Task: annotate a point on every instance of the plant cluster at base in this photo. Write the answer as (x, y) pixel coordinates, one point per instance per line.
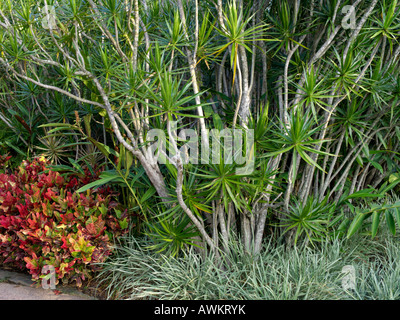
(43, 221)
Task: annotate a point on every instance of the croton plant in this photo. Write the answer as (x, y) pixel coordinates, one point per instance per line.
(43, 221)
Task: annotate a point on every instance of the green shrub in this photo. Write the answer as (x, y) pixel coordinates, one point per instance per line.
(137, 273)
(301, 273)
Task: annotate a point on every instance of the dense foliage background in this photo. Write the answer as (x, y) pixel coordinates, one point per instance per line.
(84, 81)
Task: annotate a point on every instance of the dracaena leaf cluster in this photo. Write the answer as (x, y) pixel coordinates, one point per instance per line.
(44, 221)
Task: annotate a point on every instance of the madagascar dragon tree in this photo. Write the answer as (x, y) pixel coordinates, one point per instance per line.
(314, 84)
